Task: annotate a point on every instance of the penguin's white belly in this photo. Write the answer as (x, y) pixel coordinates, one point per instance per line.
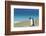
(31, 22)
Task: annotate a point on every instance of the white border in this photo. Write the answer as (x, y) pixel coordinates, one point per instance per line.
(26, 28)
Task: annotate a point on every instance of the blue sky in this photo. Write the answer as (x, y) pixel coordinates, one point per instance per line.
(22, 14)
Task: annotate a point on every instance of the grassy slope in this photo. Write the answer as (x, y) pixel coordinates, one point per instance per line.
(26, 23)
(22, 24)
(36, 22)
